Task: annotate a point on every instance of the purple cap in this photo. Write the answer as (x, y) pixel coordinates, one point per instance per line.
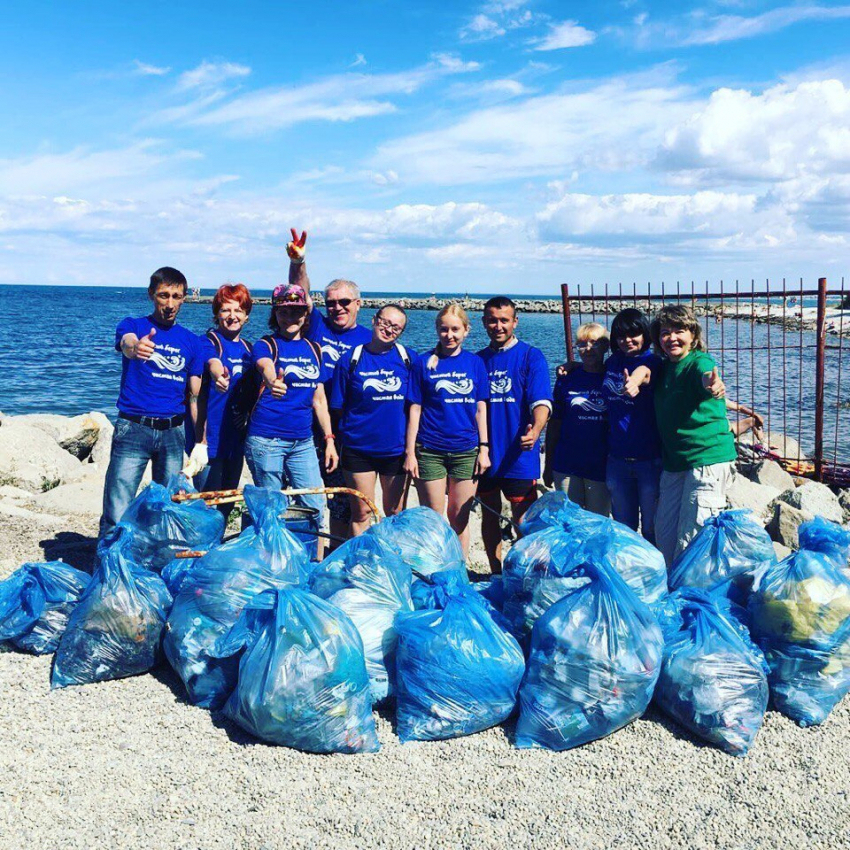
(289, 294)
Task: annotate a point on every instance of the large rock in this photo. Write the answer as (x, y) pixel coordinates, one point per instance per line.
(103, 447)
(815, 499)
(784, 526)
(75, 434)
(779, 443)
(749, 495)
(844, 501)
(769, 473)
(80, 498)
(31, 462)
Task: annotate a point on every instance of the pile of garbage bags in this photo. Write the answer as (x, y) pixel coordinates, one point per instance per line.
(36, 602)
(115, 629)
(302, 678)
(713, 678)
(829, 538)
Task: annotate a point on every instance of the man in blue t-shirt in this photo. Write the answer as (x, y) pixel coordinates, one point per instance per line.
(336, 333)
(160, 360)
(520, 406)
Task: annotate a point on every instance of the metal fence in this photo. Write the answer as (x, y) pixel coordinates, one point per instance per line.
(780, 349)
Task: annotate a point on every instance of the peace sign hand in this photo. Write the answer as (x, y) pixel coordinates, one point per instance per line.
(296, 249)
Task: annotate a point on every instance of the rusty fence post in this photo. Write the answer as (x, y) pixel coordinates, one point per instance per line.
(568, 321)
(820, 364)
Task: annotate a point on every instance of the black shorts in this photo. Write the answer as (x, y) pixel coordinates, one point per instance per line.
(515, 490)
(354, 461)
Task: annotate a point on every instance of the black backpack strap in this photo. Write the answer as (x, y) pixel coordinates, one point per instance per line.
(355, 358)
(402, 352)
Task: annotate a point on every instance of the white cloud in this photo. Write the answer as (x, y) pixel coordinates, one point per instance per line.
(146, 70)
(359, 61)
(211, 74)
(481, 28)
(495, 19)
(564, 35)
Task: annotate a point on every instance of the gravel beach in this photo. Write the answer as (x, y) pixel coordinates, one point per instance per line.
(130, 763)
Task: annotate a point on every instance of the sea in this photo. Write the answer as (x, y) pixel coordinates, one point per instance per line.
(57, 355)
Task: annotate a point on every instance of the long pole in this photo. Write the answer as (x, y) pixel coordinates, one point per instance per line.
(568, 323)
(820, 364)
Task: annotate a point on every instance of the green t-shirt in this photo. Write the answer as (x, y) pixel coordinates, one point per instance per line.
(693, 426)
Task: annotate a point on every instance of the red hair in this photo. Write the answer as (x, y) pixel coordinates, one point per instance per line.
(237, 292)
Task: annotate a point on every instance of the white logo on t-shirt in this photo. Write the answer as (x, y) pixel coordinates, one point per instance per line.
(175, 363)
(331, 352)
(391, 385)
(305, 373)
(587, 404)
(500, 386)
(463, 387)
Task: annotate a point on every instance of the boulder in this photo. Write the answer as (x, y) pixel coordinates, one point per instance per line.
(75, 434)
(769, 473)
(80, 498)
(103, 447)
(779, 443)
(844, 501)
(815, 499)
(29, 461)
(781, 551)
(749, 495)
(8, 493)
(784, 525)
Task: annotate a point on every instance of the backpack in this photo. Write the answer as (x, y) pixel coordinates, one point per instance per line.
(358, 351)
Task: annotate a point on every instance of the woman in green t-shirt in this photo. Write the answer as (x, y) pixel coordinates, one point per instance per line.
(697, 447)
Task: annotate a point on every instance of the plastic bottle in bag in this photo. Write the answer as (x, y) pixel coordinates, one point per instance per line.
(800, 617)
(713, 678)
(594, 661)
(217, 588)
(36, 602)
(457, 670)
(116, 627)
(302, 679)
(366, 578)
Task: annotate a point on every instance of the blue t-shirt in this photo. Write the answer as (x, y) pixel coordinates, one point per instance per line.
(372, 398)
(290, 417)
(582, 446)
(334, 343)
(157, 386)
(223, 440)
(519, 377)
(449, 395)
(631, 421)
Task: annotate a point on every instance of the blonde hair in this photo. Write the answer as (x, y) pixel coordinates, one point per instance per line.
(595, 330)
(457, 312)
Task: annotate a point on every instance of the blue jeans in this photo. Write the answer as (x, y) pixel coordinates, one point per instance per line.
(277, 463)
(133, 445)
(634, 488)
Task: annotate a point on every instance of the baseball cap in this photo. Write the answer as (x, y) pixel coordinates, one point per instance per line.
(289, 294)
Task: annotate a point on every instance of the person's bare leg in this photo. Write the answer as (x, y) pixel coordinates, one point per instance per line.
(361, 516)
(461, 494)
(432, 494)
(393, 487)
(491, 531)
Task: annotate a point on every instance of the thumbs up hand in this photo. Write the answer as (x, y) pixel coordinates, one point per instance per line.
(713, 383)
(631, 386)
(278, 388)
(528, 439)
(145, 346)
(222, 380)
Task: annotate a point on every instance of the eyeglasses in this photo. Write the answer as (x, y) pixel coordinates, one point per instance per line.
(389, 326)
(587, 344)
(338, 302)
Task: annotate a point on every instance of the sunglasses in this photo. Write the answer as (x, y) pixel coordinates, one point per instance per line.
(338, 302)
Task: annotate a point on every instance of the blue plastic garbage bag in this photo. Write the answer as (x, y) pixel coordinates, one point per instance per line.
(493, 590)
(594, 661)
(35, 603)
(713, 678)
(116, 628)
(366, 578)
(302, 677)
(217, 588)
(800, 617)
(830, 538)
(424, 539)
(725, 556)
(554, 509)
(176, 573)
(457, 670)
(162, 527)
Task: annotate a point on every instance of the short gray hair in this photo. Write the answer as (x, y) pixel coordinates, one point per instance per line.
(339, 283)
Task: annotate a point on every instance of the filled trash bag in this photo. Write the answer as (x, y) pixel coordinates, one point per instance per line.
(425, 541)
(302, 679)
(725, 556)
(35, 603)
(457, 670)
(555, 510)
(176, 573)
(162, 527)
(595, 658)
(800, 617)
(116, 627)
(713, 678)
(219, 585)
(366, 578)
(830, 538)
(493, 590)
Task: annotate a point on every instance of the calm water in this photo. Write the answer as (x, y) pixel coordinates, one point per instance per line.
(57, 356)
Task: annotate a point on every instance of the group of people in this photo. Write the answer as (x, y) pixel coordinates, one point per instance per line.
(322, 401)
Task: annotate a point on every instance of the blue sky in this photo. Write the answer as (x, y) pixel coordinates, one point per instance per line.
(481, 147)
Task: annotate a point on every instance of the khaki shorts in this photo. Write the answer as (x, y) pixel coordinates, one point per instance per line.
(585, 492)
(434, 465)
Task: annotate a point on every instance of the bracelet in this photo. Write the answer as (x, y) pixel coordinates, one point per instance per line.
(330, 437)
(485, 444)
